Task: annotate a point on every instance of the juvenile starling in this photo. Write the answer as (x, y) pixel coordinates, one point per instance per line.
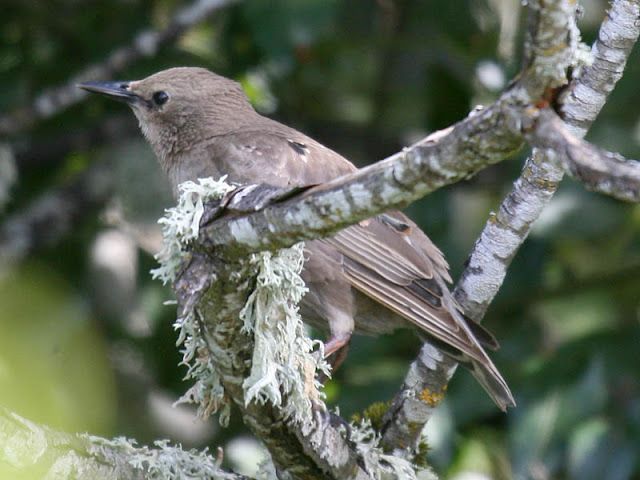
(201, 124)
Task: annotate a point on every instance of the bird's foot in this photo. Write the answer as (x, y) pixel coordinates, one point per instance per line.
(335, 351)
(336, 342)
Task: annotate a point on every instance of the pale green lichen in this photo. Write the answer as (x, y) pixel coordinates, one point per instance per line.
(381, 465)
(165, 461)
(207, 392)
(582, 57)
(283, 362)
(181, 224)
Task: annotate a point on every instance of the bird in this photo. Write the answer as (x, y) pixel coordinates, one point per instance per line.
(371, 278)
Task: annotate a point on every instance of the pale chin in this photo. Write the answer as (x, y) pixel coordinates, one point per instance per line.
(151, 136)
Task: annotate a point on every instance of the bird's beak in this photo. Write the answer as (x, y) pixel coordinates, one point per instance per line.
(115, 90)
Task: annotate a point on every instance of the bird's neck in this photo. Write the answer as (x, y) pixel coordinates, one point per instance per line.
(189, 166)
(193, 132)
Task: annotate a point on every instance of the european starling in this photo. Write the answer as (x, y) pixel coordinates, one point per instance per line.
(201, 124)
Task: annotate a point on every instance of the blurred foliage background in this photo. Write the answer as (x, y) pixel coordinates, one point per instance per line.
(86, 343)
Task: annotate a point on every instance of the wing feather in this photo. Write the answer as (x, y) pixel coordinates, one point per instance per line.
(384, 264)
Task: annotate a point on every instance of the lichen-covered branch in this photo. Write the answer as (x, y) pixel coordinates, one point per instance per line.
(30, 450)
(587, 93)
(311, 449)
(144, 45)
(596, 169)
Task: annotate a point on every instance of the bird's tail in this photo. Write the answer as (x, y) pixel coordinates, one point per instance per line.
(488, 376)
(482, 368)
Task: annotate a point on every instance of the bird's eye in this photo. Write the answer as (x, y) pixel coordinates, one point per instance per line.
(160, 98)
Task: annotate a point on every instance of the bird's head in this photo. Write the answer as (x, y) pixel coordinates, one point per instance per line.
(180, 108)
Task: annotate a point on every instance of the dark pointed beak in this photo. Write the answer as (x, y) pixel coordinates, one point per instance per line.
(115, 90)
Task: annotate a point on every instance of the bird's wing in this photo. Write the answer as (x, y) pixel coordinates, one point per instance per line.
(391, 260)
(280, 156)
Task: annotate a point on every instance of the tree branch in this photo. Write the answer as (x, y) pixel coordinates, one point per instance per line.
(244, 342)
(309, 451)
(580, 104)
(482, 139)
(582, 101)
(598, 170)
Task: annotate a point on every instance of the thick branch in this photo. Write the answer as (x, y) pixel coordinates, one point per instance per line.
(215, 291)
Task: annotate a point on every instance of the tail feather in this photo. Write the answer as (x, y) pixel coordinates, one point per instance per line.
(484, 336)
(483, 369)
(496, 387)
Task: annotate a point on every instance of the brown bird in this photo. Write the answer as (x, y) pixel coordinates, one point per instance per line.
(201, 124)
